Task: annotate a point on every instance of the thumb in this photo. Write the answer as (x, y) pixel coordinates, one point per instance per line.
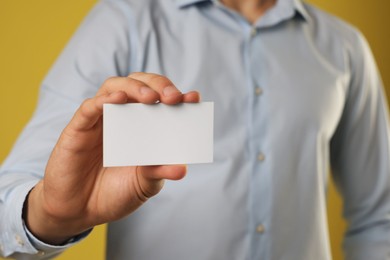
(151, 178)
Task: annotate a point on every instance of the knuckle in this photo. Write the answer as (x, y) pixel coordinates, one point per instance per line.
(109, 82)
(83, 111)
(85, 103)
(86, 108)
(135, 74)
(151, 78)
(160, 80)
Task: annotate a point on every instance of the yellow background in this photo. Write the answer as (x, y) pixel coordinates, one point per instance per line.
(32, 33)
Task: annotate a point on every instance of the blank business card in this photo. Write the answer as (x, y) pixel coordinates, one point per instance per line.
(158, 134)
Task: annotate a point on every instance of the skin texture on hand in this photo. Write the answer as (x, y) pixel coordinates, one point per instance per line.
(77, 192)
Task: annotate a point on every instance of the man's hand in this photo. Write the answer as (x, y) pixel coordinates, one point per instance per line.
(77, 192)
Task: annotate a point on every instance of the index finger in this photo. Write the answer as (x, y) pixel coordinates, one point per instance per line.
(167, 91)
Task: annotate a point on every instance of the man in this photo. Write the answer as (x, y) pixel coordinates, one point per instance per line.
(294, 88)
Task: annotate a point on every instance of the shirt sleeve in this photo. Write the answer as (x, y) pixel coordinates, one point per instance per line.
(360, 158)
(98, 50)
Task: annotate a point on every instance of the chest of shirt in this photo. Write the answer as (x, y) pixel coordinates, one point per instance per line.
(276, 76)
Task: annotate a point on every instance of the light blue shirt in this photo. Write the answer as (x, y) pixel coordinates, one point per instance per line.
(296, 95)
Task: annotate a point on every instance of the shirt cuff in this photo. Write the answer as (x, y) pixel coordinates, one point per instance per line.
(52, 250)
(15, 239)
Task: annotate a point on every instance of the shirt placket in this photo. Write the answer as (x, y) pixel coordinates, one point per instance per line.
(260, 180)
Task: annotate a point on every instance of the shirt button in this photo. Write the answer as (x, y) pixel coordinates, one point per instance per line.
(19, 240)
(253, 31)
(260, 157)
(258, 91)
(260, 229)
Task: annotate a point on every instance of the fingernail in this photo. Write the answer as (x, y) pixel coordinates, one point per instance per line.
(170, 91)
(145, 90)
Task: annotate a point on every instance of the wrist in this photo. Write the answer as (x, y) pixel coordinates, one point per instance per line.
(45, 226)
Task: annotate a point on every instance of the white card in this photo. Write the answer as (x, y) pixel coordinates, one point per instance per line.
(139, 134)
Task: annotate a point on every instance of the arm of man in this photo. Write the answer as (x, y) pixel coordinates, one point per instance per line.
(360, 154)
(99, 49)
(76, 192)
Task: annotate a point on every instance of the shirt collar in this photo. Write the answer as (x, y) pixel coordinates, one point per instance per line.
(294, 5)
(182, 3)
(301, 9)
